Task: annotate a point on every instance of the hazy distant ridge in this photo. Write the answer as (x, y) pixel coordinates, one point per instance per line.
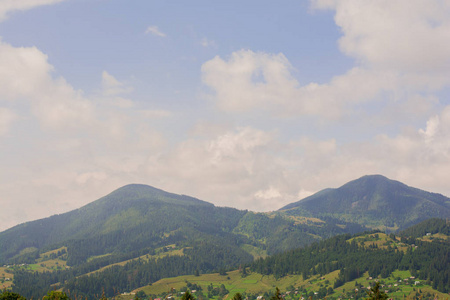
(374, 201)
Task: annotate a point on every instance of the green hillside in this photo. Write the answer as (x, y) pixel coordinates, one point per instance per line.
(134, 223)
(340, 267)
(293, 287)
(137, 218)
(131, 218)
(374, 201)
(377, 253)
(333, 267)
(139, 234)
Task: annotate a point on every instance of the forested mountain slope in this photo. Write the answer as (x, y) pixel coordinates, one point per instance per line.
(374, 201)
(130, 218)
(137, 218)
(376, 253)
(139, 234)
(328, 264)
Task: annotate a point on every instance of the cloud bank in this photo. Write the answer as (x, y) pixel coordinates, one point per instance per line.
(84, 145)
(8, 6)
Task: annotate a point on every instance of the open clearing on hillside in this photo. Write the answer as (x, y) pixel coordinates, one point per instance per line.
(145, 257)
(253, 283)
(6, 277)
(259, 284)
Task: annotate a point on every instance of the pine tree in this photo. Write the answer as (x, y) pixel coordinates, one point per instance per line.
(237, 296)
(187, 296)
(376, 294)
(277, 295)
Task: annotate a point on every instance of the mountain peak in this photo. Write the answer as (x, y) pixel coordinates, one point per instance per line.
(374, 176)
(137, 188)
(374, 179)
(373, 200)
(369, 183)
(137, 191)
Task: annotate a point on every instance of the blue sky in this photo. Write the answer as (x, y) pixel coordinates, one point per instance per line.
(249, 104)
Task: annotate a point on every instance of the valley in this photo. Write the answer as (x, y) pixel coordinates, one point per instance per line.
(139, 238)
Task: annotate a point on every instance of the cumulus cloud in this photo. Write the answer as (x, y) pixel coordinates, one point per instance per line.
(23, 71)
(154, 30)
(88, 145)
(419, 157)
(82, 146)
(260, 81)
(406, 35)
(409, 38)
(7, 6)
(228, 169)
(251, 168)
(249, 79)
(25, 74)
(401, 59)
(401, 49)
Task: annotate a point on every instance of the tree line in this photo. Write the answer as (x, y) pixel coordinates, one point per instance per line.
(428, 261)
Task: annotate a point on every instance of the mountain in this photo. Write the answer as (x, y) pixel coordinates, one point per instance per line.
(374, 201)
(130, 218)
(139, 234)
(137, 219)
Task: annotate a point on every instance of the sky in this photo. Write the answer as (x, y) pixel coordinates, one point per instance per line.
(246, 104)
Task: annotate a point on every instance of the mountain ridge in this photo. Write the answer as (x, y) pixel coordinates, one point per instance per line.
(139, 222)
(371, 198)
(125, 208)
(138, 216)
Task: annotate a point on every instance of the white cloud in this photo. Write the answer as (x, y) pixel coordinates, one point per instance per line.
(270, 193)
(209, 129)
(303, 194)
(431, 129)
(239, 168)
(248, 80)
(7, 6)
(69, 147)
(23, 71)
(420, 158)
(407, 38)
(84, 177)
(250, 168)
(154, 30)
(25, 74)
(401, 49)
(88, 145)
(405, 35)
(112, 92)
(261, 81)
(7, 117)
(113, 87)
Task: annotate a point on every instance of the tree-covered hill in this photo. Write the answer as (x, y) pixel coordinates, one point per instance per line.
(373, 201)
(137, 218)
(334, 262)
(130, 231)
(426, 228)
(129, 219)
(376, 253)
